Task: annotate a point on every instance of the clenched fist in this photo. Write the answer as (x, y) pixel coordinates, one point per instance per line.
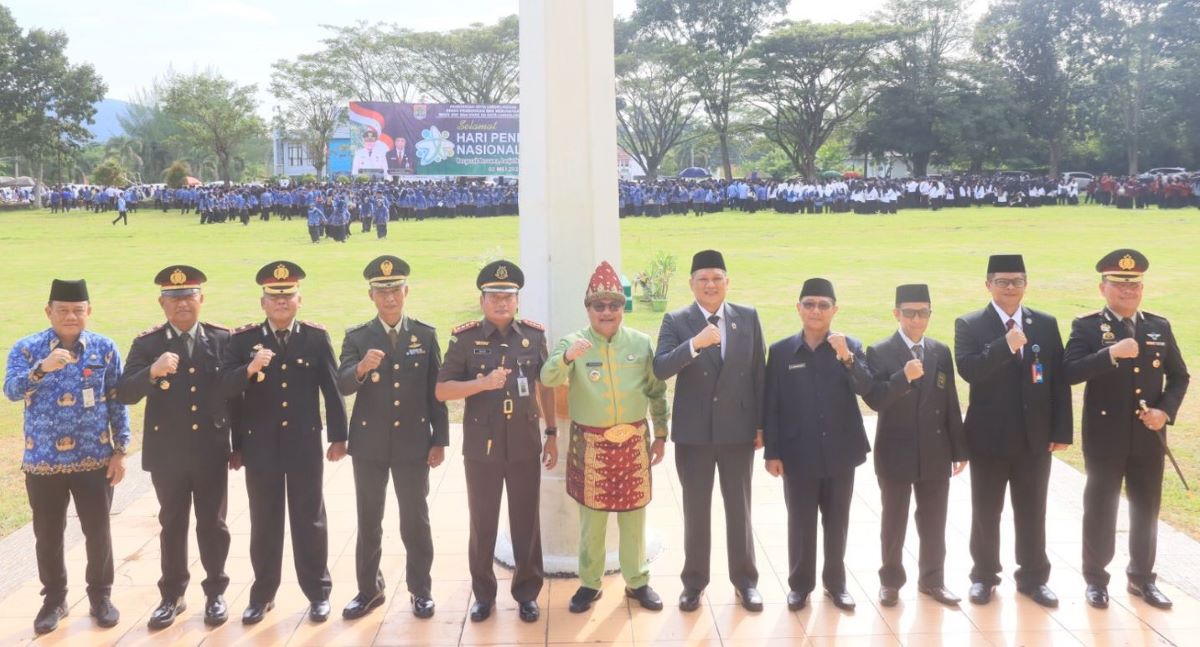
(914, 369)
(710, 336)
(1015, 338)
(495, 379)
(577, 349)
(260, 360)
(166, 364)
(838, 341)
(58, 358)
(370, 361)
(1125, 348)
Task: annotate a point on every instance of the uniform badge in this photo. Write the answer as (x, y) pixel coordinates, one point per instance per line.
(164, 384)
(1029, 320)
(261, 376)
(501, 273)
(1108, 336)
(594, 375)
(482, 342)
(178, 277)
(1104, 327)
(281, 272)
(386, 268)
(413, 340)
(941, 380)
(1156, 363)
(524, 343)
(374, 376)
(1154, 335)
(1127, 263)
(66, 400)
(630, 357)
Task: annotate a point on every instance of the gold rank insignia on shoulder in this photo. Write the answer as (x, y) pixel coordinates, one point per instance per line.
(524, 343)
(164, 385)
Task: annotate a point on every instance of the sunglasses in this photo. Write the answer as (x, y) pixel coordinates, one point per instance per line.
(1009, 283)
(611, 306)
(916, 313)
(816, 305)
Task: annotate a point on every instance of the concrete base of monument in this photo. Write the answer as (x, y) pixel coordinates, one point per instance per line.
(560, 530)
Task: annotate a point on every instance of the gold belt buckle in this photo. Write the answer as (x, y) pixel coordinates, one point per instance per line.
(508, 406)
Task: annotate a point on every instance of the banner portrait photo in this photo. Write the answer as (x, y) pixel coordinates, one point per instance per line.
(433, 139)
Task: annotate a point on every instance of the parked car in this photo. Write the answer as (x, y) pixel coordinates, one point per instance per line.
(1168, 172)
(1081, 178)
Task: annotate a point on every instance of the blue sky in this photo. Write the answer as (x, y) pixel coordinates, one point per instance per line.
(130, 42)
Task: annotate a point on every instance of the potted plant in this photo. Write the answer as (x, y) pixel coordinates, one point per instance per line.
(641, 282)
(662, 267)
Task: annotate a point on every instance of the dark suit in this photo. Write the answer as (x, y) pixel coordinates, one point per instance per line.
(185, 447)
(502, 449)
(718, 412)
(396, 421)
(1116, 445)
(919, 433)
(1011, 421)
(813, 424)
(279, 435)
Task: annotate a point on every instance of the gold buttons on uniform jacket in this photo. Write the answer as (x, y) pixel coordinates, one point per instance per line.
(396, 424)
(284, 404)
(364, 423)
(283, 385)
(192, 369)
(1137, 391)
(396, 385)
(1103, 413)
(194, 407)
(1137, 369)
(284, 423)
(395, 367)
(396, 403)
(283, 367)
(193, 389)
(155, 427)
(195, 427)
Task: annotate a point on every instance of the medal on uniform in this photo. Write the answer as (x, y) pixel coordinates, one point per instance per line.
(594, 375)
(374, 376)
(164, 384)
(1156, 363)
(1036, 368)
(524, 343)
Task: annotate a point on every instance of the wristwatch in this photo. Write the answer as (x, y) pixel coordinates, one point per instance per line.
(551, 431)
(37, 374)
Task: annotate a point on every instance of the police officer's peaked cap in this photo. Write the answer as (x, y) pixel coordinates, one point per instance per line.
(1123, 266)
(179, 280)
(280, 277)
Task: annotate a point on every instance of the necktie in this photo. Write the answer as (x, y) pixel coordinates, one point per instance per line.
(918, 352)
(713, 320)
(1130, 327)
(281, 335)
(394, 337)
(1012, 323)
(186, 338)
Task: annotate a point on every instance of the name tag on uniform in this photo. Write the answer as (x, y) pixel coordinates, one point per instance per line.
(89, 398)
(792, 367)
(414, 351)
(1037, 373)
(482, 351)
(941, 380)
(523, 387)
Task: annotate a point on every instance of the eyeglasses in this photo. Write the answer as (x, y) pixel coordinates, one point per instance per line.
(1010, 283)
(916, 313)
(1126, 287)
(370, 135)
(817, 305)
(611, 306)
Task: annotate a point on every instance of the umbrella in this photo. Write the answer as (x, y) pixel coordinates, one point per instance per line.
(191, 181)
(851, 174)
(831, 175)
(695, 171)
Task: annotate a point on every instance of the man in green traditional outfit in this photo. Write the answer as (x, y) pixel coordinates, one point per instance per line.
(610, 372)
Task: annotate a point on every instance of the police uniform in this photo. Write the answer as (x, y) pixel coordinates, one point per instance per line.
(73, 426)
(185, 445)
(278, 433)
(1117, 446)
(396, 420)
(501, 441)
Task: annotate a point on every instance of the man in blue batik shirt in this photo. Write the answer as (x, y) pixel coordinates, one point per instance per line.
(76, 436)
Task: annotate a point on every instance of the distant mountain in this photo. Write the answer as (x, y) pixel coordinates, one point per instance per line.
(107, 113)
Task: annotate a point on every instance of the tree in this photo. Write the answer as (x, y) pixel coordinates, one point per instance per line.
(110, 173)
(806, 80)
(45, 101)
(311, 105)
(214, 114)
(127, 151)
(477, 64)
(160, 136)
(920, 70)
(655, 105)
(1028, 39)
(176, 174)
(712, 38)
(369, 64)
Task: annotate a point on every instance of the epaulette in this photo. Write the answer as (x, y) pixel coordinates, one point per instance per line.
(422, 323)
(151, 331)
(462, 327)
(1089, 314)
(312, 324)
(217, 326)
(249, 326)
(533, 324)
(357, 327)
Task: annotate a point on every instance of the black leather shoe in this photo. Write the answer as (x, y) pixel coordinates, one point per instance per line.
(216, 612)
(481, 610)
(105, 613)
(941, 594)
(361, 605)
(164, 616)
(319, 611)
(1041, 594)
(645, 597)
(750, 598)
(256, 612)
(583, 599)
(422, 607)
(1150, 593)
(841, 599)
(888, 596)
(1097, 596)
(48, 616)
(689, 599)
(796, 600)
(529, 611)
(980, 593)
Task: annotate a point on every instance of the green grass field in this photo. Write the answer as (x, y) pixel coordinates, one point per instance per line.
(769, 255)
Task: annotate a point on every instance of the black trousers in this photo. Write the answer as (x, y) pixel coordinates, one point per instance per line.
(520, 480)
(208, 488)
(1143, 485)
(48, 498)
(411, 483)
(298, 491)
(696, 465)
(121, 215)
(932, 499)
(381, 230)
(1026, 477)
(314, 232)
(805, 497)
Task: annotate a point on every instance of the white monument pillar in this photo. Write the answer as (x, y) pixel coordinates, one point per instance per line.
(568, 209)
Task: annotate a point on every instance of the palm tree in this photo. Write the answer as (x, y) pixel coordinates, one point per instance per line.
(127, 150)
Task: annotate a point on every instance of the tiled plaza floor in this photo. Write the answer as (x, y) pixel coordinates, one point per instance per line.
(1011, 619)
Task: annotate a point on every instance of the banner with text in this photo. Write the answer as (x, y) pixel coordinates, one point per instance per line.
(434, 138)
